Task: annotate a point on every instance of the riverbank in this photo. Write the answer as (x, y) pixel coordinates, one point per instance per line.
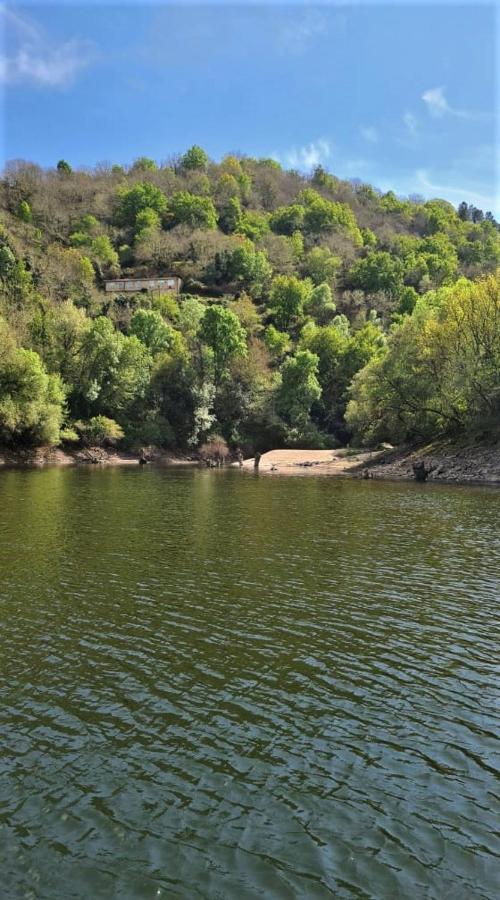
(452, 462)
(475, 463)
(461, 462)
(55, 456)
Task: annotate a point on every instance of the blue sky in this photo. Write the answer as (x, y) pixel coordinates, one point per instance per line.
(401, 95)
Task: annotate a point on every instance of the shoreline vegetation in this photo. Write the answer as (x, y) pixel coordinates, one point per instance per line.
(220, 309)
(444, 461)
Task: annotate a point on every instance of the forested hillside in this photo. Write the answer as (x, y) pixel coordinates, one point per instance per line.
(314, 311)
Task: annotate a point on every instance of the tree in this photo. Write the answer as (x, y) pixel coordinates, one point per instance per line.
(222, 332)
(152, 331)
(299, 387)
(189, 209)
(287, 219)
(102, 250)
(100, 431)
(440, 372)
(320, 304)
(321, 265)
(244, 267)
(64, 167)
(130, 201)
(277, 342)
(287, 298)
(144, 164)
(114, 370)
(377, 271)
(24, 211)
(31, 400)
(194, 158)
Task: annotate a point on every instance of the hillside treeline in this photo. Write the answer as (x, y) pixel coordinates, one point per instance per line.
(314, 311)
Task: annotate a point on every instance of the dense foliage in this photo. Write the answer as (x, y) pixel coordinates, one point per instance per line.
(313, 311)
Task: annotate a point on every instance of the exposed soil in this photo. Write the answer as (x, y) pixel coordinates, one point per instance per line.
(444, 461)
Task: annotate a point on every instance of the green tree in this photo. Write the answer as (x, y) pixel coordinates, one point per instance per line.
(153, 331)
(131, 201)
(321, 265)
(64, 167)
(194, 158)
(320, 304)
(144, 164)
(114, 370)
(287, 298)
(102, 250)
(24, 212)
(287, 219)
(221, 331)
(189, 209)
(299, 388)
(377, 271)
(31, 400)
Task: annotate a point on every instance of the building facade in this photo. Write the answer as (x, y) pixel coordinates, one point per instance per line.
(167, 284)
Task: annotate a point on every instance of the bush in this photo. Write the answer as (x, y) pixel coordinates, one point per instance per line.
(99, 432)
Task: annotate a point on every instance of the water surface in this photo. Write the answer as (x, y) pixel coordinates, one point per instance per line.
(217, 685)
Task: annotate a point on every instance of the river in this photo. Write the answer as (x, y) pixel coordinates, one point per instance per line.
(222, 685)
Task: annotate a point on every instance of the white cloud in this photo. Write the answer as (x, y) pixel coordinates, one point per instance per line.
(34, 59)
(438, 106)
(410, 123)
(307, 157)
(297, 36)
(369, 134)
(455, 194)
(436, 101)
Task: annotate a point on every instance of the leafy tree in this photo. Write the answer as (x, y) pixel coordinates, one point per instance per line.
(287, 298)
(152, 330)
(287, 219)
(320, 304)
(377, 271)
(253, 225)
(144, 164)
(130, 201)
(324, 216)
(244, 266)
(102, 250)
(440, 372)
(24, 211)
(194, 158)
(321, 265)
(299, 387)
(114, 369)
(189, 209)
(100, 431)
(277, 342)
(31, 400)
(222, 332)
(230, 215)
(64, 167)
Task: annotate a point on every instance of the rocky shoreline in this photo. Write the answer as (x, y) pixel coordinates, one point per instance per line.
(448, 462)
(460, 463)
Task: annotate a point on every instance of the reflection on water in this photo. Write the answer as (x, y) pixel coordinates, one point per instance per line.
(223, 686)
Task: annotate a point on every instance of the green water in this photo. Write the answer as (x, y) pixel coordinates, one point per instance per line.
(221, 685)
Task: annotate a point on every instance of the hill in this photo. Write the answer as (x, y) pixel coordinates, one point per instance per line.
(313, 311)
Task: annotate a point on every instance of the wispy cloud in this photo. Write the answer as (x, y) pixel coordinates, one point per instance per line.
(410, 123)
(369, 134)
(306, 157)
(297, 36)
(454, 193)
(438, 106)
(32, 58)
